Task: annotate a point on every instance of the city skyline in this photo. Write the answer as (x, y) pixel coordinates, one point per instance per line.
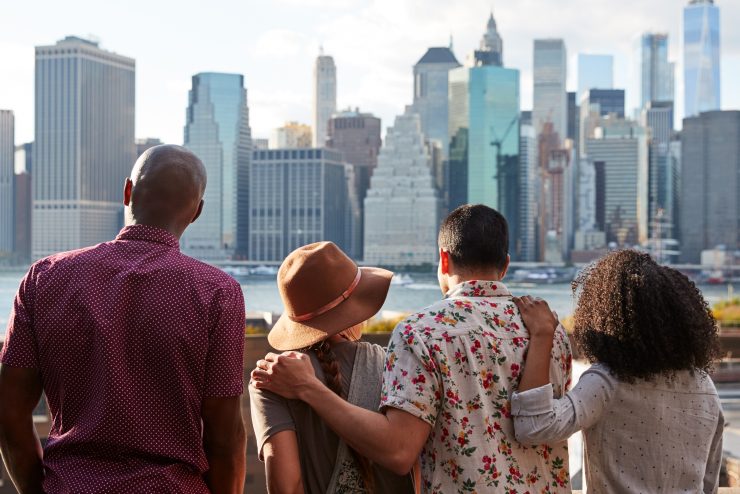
(373, 64)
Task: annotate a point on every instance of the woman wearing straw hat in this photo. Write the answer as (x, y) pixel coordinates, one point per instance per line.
(327, 299)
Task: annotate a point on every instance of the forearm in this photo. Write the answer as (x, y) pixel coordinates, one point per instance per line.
(541, 419)
(22, 454)
(369, 433)
(227, 467)
(537, 366)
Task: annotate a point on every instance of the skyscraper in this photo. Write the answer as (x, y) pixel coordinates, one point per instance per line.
(484, 108)
(619, 154)
(357, 136)
(528, 190)
(7, 171)
(658, 117)
(594, 72)
(701, 57)
(217, 131)
(296, 197)
(491, 49)
(84, 146)
(710, 178)
(484, 140)
(402, 207)
(550, 72)
(655, 72)
(146, 143)
(324, 96)
(610, 101)
(430, 93)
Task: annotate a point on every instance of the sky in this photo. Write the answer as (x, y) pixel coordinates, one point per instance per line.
(375, 44)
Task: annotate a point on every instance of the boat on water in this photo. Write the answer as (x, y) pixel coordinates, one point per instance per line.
(402, 279)
(264, 271)
(236, 271)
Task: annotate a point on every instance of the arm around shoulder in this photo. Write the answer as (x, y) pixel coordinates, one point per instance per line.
(540, 418)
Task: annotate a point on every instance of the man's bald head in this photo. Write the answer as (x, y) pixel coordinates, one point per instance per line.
(166, 188)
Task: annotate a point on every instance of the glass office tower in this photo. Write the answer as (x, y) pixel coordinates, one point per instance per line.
(217, 131)
(701, 57)
(655, 73)
(484, 108)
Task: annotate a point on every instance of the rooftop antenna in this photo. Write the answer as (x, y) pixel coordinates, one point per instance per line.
(321, 49)
(451, 42)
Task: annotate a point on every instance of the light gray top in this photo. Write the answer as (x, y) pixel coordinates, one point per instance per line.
(658, 436)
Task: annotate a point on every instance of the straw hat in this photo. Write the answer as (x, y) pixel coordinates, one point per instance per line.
(324, 293)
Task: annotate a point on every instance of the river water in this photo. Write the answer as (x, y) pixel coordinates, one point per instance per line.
(261, 294)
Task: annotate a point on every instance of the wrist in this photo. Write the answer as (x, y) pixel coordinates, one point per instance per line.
(541, 339)
(310, 389)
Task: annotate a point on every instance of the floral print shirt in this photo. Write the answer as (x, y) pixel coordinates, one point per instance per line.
(455, 365)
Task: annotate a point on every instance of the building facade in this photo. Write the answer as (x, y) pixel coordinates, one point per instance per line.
(84, 146)
(146, 143)
(658, 118)
(701, 60)
(431, 85)
(528, 193)
(594, 72)
(7, 173)
(491, 49)
(550, 74)
(291, 135)
(610, 101)
(357, 136)
(296, 197)
(402, 207)
(655, 72)
(324, 97)
(217, 131)
(619, 155)
(710, 183)
(484, 115)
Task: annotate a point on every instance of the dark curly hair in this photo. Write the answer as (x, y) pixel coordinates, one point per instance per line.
(642, 319)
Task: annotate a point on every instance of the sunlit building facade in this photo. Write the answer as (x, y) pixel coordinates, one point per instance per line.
(84, 146)
(324, 97)
(402, 207)
(7, 171)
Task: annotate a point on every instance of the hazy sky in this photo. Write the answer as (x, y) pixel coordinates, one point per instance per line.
(375, 43)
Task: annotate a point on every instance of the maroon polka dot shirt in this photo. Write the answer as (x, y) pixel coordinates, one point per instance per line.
(128, 337)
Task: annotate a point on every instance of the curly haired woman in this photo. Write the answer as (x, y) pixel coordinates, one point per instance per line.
(327, 299)
(650, 414)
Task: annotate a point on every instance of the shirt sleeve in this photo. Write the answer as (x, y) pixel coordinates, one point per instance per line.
(224, 365)
(714, 462)
(539, 418)
(20, 348)
(561, 363)
(411, 380)
(270, 415)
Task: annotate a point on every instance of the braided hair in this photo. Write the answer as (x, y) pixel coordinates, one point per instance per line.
(330, 366)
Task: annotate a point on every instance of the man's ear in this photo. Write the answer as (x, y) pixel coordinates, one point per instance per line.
(506, 266)
(197, 213)
(444, 261)
(128, 187)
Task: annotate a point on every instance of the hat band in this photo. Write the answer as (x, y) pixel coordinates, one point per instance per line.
(326, 308)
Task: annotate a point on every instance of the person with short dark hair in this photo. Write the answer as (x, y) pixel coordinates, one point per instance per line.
(138, 349)
(449, 374)
(649, 412)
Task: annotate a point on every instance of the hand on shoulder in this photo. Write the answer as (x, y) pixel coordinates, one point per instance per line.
(287, 374)
(538, 318)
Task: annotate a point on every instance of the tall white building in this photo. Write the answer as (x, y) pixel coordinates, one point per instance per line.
(701, 57)
(7, 166)
(84, 146)
(654, 71)
(324, 97)
(550, 99)
(218, 132)
(402, 207)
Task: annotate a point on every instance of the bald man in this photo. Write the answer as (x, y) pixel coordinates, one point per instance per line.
(138, 349)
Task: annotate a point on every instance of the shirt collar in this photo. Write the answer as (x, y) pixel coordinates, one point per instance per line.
(147, 233)
(478, 288)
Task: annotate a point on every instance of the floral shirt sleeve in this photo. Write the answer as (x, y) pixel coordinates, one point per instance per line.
(411, 379)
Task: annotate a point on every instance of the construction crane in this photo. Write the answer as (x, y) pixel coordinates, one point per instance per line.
(500, 172)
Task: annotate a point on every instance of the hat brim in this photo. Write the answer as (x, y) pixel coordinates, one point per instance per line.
(365, 301)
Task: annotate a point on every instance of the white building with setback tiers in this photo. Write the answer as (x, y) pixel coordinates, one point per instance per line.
(402, 207)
